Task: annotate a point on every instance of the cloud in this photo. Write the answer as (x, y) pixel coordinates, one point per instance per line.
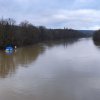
(77, 14)
(95, 27)
(85, 1)
(77, 19)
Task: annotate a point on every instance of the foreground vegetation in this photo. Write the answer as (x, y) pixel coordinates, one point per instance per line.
(25, 33)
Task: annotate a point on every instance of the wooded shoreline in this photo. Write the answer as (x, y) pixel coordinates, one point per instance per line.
(26, 34)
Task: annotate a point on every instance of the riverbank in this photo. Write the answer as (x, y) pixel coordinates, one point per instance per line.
(27, 34)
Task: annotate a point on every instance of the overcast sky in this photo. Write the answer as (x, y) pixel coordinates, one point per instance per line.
(77, 14)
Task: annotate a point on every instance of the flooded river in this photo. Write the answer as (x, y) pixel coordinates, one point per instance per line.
(60, 70)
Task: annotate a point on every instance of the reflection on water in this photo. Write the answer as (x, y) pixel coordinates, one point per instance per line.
(97, 44)
(64, 43)
(22, 56)
(60, 70)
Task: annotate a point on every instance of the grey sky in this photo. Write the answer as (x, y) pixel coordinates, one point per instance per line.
(77, 14)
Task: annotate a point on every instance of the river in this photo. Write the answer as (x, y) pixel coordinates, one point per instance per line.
(60, 70)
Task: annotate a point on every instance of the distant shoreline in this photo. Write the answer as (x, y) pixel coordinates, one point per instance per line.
(27, 34)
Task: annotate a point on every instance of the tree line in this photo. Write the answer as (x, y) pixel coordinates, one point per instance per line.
(96, 36)
(25, 33)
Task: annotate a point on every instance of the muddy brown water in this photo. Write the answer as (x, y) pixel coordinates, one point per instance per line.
(60, 70)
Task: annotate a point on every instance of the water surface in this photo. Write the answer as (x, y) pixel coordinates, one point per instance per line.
(60, 70)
